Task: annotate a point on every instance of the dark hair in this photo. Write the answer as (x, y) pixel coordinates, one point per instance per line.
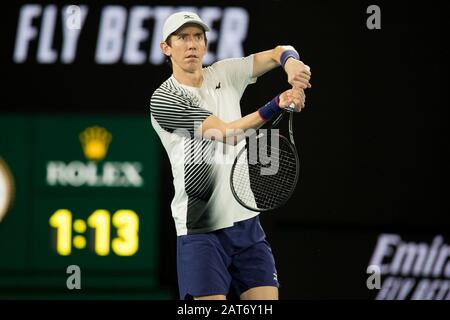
(168, 41)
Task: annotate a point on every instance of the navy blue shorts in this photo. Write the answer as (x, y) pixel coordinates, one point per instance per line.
(227, 261)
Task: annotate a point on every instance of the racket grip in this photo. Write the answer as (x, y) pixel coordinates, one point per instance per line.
(290, 108)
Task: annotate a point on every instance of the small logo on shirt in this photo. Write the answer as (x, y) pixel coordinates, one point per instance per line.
(275, 277)
(186, 16)
(218, 86)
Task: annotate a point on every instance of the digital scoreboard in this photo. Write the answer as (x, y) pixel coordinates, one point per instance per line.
(77, 190)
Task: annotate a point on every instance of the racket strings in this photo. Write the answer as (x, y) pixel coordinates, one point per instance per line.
(266, 192)
(265, 185)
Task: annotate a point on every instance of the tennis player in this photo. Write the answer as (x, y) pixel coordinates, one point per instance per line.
(222, 251)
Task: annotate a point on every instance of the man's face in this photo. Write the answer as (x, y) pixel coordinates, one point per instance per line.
(187, 47)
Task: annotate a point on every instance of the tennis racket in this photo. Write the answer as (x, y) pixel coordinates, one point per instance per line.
(262, 185)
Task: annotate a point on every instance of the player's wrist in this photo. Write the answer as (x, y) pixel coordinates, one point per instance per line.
(288, 54)
(271, 109)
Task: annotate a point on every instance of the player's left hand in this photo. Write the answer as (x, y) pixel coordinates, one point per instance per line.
(298, 73)
(294, 95)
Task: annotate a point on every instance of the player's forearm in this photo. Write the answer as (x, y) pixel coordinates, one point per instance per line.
(237, 130)
(268, 60)
(230, 132)
(250, 121)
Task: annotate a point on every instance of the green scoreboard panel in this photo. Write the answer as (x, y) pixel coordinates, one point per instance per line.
(78, 191)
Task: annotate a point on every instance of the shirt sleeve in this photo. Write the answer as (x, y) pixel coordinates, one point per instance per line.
(177, 112)
(238, 72)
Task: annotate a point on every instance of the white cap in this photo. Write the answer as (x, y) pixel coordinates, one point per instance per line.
(176, 20)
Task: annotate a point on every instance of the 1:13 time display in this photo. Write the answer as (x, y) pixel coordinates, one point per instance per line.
(125, 221)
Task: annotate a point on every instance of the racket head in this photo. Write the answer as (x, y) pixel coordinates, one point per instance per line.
(265, 192)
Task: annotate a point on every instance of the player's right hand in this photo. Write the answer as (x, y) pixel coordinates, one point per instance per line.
(299, 74)
(294, 95)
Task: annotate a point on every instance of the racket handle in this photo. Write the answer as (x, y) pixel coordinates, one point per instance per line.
(290, 108)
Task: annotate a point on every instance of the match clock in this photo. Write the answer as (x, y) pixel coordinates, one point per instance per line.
(87, 194)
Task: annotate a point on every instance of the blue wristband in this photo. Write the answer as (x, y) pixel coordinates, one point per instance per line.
(288, 54)
(271, 109)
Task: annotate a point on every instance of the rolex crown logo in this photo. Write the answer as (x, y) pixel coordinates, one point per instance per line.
(95, 141)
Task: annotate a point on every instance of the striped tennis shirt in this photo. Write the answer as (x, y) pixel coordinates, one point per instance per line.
(203, 200)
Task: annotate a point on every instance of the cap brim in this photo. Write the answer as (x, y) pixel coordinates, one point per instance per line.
(199, 23)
